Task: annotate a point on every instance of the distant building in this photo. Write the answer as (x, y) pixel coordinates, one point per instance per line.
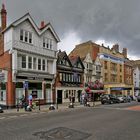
(27, 59)
(69, 79)
(136, 77)
(113, 65)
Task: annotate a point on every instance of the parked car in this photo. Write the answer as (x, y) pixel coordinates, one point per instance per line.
(109, 99)
(121, 98)
(138, 98)
(1, 110)
(128, 98)
(124, 98)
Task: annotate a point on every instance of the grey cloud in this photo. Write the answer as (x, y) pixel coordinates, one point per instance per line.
(113, 20)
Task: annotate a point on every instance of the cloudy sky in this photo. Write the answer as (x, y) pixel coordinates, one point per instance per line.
(76, 21)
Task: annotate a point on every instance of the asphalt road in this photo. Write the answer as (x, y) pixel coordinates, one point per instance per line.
(105, 122)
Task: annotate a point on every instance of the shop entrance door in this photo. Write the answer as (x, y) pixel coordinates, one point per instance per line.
(59, 96)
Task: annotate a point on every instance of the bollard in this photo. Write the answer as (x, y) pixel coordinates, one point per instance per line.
(17, 108)
(39, 104)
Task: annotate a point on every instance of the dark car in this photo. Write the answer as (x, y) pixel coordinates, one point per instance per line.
(1, 110)
(109, 99)
(138, 98)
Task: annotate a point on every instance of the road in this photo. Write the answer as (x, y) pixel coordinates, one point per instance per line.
(105, 122)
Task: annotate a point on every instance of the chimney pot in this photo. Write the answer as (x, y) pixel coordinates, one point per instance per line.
(3, 17)
(42, 24)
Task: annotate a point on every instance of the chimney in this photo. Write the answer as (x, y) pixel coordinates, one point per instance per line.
(42, 24)
(3, 17)
(124, 52)
(116, 47)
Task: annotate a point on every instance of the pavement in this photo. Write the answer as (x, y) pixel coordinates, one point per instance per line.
(45, 108)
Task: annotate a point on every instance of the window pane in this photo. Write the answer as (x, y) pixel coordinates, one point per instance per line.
(44, 44)
(30, 62)
(47, 43)
(34, 63)
(51, 43)
(30, 37)
(26, 36)
(23, 61)
(39, 64)
(21, 35)
(43, 64)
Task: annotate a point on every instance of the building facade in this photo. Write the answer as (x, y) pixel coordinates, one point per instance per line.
(28, 60)
(136, 78)
(114, 71)
(113, 66)
(69, 79)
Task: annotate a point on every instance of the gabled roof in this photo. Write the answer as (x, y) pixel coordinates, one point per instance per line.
(39, 31)
(75, 59)
(62, 55)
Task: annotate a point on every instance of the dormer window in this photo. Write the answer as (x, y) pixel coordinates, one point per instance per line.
(21, 35)
(30, 37)
(47, 43)
(26, 36)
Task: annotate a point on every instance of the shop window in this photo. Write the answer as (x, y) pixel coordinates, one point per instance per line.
(23, 61)
(19, 85)
(36, 89)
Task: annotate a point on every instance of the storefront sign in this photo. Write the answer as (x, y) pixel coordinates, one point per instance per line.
(121, 88)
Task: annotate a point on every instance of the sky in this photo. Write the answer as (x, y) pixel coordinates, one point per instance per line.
(77, 21)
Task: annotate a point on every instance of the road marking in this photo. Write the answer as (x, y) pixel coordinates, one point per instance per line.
(24, 115)
(12, 116)
(2, 118)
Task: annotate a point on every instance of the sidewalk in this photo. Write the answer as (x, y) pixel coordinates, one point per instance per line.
(45, 108)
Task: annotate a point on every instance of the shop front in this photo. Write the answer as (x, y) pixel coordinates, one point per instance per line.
(39, 87)
(122, 90)
(64, 94)
(94, 90)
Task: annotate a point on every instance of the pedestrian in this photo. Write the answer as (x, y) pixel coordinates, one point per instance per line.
(70, 98)
(30, 98)
(83, 98)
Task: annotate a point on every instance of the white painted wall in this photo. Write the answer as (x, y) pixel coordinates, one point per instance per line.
(8, 39)
(136, 79)
(37, 40)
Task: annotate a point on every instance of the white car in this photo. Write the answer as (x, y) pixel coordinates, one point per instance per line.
(121, 99)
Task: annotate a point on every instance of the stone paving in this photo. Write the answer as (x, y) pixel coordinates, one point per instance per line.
(44, 108)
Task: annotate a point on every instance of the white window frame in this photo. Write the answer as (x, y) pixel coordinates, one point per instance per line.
(28, 36)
